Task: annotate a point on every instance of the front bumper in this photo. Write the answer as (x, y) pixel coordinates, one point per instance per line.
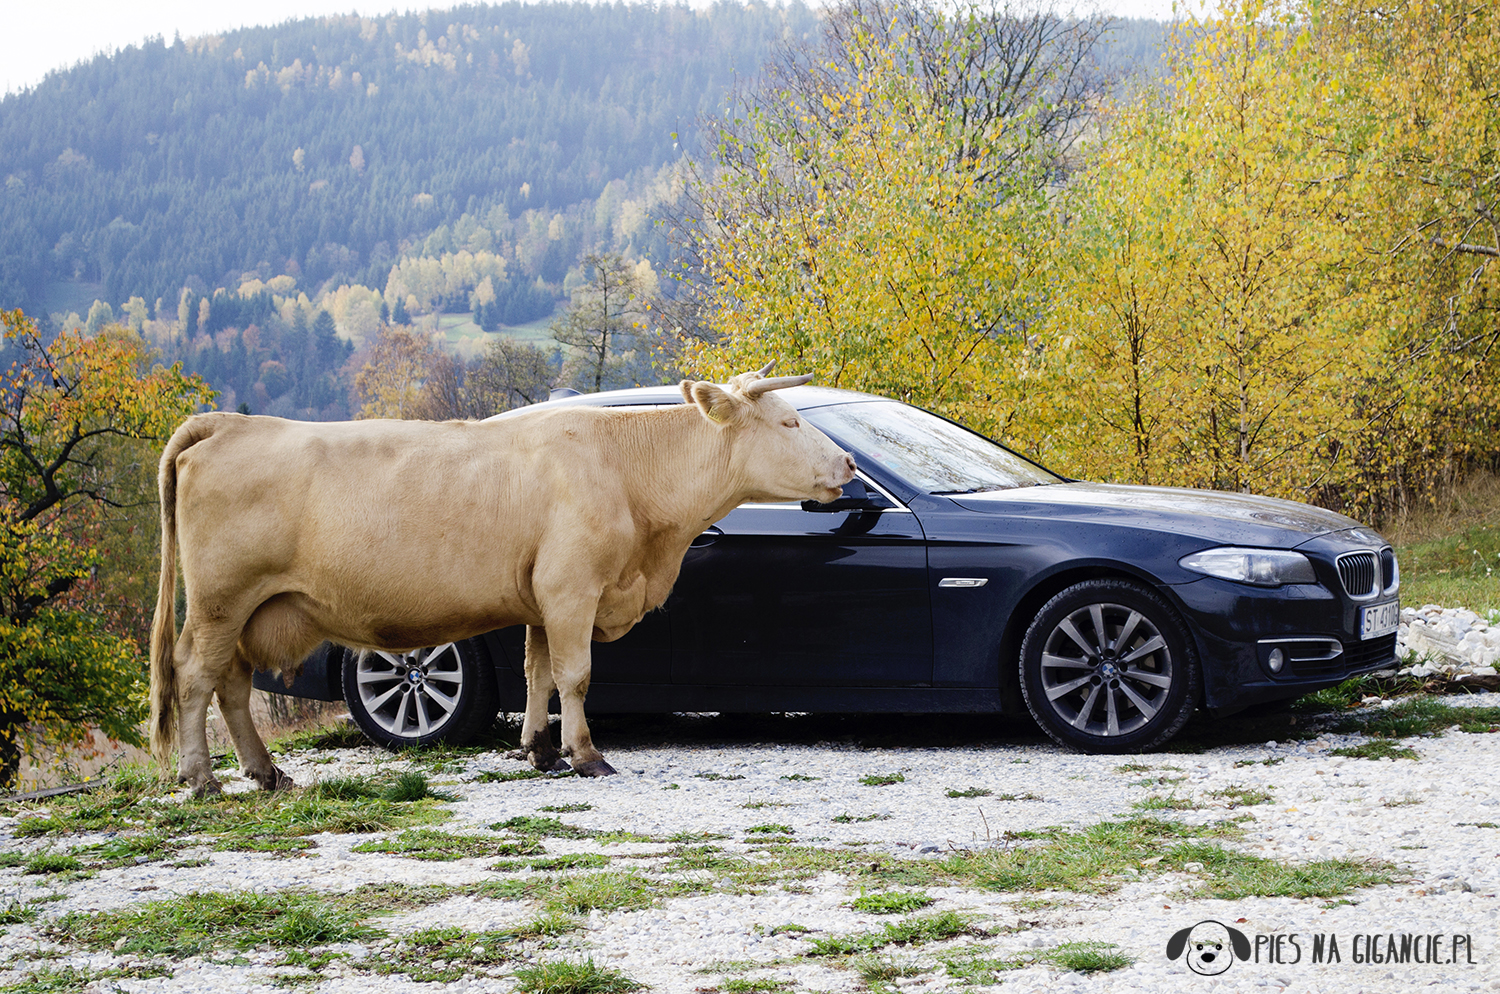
(1237, 626)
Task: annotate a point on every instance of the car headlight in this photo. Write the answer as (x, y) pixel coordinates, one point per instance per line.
(1260, 567)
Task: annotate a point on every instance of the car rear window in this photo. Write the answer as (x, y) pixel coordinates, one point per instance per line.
(933, 454)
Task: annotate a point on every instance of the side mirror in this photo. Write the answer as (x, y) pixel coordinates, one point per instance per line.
(856, 497)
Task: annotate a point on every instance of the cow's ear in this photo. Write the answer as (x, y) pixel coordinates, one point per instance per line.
(1177, 943)
(1240, 943)
(717, 404)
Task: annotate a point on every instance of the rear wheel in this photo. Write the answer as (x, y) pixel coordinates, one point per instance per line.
(1108, 667)
(444, 693)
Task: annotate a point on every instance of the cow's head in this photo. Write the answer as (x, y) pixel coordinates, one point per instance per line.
(780, 454)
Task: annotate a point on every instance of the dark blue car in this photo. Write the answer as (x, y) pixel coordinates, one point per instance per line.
(953, 576)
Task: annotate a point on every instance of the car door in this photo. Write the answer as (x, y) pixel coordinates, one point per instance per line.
(775, 595)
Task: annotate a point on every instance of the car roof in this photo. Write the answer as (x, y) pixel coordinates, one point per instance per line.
(802, 398)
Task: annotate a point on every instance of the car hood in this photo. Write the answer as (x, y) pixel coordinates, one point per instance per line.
(1215, 515)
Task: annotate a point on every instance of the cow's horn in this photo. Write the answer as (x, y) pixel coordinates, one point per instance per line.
(766, 368)
(776, 383)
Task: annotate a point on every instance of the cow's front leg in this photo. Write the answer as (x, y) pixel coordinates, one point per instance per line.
(536, 741)
(234, 704)
(572, 658)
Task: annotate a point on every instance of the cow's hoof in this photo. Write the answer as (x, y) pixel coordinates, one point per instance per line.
(275, 780)
(208, 788)
(594, 768)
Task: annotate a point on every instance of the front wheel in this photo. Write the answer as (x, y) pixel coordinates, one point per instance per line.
(444, 693)
(1107, 667)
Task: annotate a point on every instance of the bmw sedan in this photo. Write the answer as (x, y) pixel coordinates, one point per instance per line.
(953, 575)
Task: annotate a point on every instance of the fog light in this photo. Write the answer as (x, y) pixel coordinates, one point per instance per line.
(1276, 660)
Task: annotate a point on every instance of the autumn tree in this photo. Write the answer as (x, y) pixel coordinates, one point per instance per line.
(80, 417)
(391, 382)
(861, 231)
(601, 324)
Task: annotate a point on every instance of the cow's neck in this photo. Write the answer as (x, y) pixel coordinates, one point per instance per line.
(690, 477)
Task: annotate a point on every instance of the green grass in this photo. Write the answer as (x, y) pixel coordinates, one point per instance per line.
(339, 805)
(73, 980)
(1165, 803)
(972, 967)
(1376, 749)
(506, 776)
(717, 776)
(971, 792)
(342, 735)
(604, 892)
(1239, 796)
(198, 923)
(744, 985)
(847, 819)
(563, 977)
(51, 862)
(882, 779)
(1420, 715)
(891, 902)
(1456, 570)
(770, 828)
(444, 955)
(15, 913)
(907, 932)
(800, 778)
(436, 845)
(565, 808)
(1088, 957)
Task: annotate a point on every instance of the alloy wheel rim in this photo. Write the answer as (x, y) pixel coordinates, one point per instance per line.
(411, 694)
(1106, 670)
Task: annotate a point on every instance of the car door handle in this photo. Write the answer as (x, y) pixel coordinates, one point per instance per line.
(707, 538)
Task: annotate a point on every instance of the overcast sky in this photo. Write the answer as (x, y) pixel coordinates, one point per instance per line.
(37, 36)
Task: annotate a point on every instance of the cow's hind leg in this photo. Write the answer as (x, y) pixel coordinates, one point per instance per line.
(572, 659)
(198, 660)
(536, 741)
(234, 703)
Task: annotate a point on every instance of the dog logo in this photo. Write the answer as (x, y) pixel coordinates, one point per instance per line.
(1211, 947)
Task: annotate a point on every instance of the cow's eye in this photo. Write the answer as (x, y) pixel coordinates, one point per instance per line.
(792, 423)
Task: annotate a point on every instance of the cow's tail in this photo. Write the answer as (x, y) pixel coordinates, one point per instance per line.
(164, 625)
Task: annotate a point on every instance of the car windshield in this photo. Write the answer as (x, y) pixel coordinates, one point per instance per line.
(933, 454)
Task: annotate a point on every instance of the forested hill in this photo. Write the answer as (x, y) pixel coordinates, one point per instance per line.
(322, 148)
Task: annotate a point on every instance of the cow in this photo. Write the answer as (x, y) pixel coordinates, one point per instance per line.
(398, 534)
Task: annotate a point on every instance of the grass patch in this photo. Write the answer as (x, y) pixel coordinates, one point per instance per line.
(602, 891)
(847, 819)
(788, 928)
(1376, 749)
(908, 932)
(882, 779)
(744, 985)
(758, 805)
(770, 828)
(443, 955)
(571, 861)
(564, 809)
(538, 827)
(339, 805)
(1238, 796)
(879, 971)
(16, 913)
(717, 776)
(51, 862)
(433, 844)
(71, 980)
(1415, 716)
(1160, 802)
(563, 977)
(1272, 761)
(199, 923)
(506, 776)
(341, 735)
(971, 792)
(1452, 570)
(800, 778)
(1088, 957)
(891, 902)
(971, 966)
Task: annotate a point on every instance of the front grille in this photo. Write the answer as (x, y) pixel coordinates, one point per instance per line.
(1358, 571)
(1388, 572)
(1370, 652)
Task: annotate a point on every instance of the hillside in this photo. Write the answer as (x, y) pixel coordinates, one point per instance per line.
(322, 148)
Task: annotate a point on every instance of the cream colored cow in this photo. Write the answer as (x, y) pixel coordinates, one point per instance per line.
(399, 534)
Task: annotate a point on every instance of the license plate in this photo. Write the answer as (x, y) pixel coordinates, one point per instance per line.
(1379, 619)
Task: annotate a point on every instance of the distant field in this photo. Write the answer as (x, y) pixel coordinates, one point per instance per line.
(1450, 555)
(460, 332)
(63, 298)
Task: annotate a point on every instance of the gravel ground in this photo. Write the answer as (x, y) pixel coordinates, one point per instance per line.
(1436, 818)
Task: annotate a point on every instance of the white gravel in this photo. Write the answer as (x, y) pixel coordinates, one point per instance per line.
(1437, 818)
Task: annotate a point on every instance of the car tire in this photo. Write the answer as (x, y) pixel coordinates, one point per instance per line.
(1131, 689)
(444, 693)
